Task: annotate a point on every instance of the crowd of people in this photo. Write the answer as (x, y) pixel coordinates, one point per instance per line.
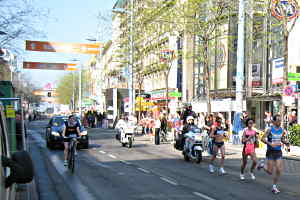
(94, 119)
(220, 129)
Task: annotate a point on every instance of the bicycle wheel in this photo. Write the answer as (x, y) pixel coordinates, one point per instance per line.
(73, 158)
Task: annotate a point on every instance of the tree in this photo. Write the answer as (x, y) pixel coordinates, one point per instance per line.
(18, 20)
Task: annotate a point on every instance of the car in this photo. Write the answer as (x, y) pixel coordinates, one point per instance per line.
(54, 131)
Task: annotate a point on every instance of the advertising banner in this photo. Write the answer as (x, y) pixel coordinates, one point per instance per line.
(277, 70)
(49, 66)
(62, 47)
(256, 78)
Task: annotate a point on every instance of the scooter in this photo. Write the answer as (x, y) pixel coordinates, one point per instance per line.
(127, 136)
(193, 147)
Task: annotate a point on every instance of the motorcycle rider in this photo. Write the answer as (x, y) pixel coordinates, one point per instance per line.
(121, 124)
(187, 127)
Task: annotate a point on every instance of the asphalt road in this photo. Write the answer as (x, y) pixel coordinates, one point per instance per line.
(107, 171)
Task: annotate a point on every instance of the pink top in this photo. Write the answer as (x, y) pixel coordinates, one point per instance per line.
(248, 133)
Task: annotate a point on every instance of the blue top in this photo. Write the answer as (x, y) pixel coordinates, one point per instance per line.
(275, 138)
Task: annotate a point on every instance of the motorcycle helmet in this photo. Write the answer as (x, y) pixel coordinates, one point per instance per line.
(189, 118)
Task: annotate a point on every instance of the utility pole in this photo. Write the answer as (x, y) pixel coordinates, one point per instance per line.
(240, 58)
(130, 70)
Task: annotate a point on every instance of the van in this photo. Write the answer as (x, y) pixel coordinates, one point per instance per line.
(5, 193)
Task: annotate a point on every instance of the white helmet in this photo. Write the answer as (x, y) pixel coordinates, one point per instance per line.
(189, 118)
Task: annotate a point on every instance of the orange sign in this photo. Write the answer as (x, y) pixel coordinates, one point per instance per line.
(49, 66)
(62, 47)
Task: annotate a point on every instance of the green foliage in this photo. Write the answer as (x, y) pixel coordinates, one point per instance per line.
(65, 88)
(294, 135)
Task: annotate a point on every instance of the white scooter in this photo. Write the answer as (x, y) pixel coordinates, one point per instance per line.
(127, 136)
(193, 146)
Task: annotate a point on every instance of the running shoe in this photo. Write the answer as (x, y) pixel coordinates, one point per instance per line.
(275, 189)
(252, 176)
(222, 171)
(65, 163)
(242, 177)
(211, 169)
(261, 164)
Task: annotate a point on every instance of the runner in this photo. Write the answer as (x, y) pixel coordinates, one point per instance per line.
(274, 137)
(249, 139)
(218, 135)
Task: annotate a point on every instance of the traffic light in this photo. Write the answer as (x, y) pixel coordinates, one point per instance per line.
(49, 94)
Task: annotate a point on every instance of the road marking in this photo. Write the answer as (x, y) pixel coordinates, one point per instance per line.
(103, 152)
(203, 196)
(168, 181)
(125, 162)
(112, 156)
(144, 170)
(102, 165)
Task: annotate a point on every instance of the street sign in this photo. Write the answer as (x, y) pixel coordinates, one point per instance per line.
(284, 8)
(175, 94)
(62, 47)
(293, 76)
(49, 66)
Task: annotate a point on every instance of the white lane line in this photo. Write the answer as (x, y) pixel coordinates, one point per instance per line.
(103, 152)
(144, 170)
(102, 165)
(112, 156)
(168, 181)
(203, 196)
(125, 162)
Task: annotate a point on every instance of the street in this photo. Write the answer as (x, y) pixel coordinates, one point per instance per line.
(107, 171)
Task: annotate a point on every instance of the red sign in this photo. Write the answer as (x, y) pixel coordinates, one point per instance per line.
(285, 8)
(48, 66)
(62, 47)
(288, 90)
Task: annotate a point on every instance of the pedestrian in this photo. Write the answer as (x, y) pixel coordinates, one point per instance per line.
(268, 119)
(218, 134)
(250, 141)
(157, 127)
(274, 137)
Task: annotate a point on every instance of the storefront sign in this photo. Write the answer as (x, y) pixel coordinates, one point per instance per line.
(175, 94)
(293, 76)
(277, 70)
(256, 79)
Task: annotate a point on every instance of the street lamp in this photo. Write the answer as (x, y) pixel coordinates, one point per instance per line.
(79, 88)
(130, 67)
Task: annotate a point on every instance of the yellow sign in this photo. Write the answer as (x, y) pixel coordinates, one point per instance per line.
(10, 111)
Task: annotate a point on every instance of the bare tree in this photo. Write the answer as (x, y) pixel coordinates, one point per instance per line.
(18, 20)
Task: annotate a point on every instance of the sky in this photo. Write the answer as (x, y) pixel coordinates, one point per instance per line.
(68, 21)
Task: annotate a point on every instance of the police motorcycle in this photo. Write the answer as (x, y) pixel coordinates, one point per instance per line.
(125, 132)
(194, 145)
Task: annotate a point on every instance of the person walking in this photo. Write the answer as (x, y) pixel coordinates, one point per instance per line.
(274, 137)
(218, 134)
(249, 139)
(157, 127)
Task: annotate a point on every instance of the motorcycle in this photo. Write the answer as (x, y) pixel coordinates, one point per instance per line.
(194, 145)
(127, 136)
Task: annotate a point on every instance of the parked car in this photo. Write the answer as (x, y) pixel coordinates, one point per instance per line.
(54, 131)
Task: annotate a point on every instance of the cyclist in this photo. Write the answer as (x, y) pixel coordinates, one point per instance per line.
(249, 139)
(71, 129)
(274, 137)
(121, 124)
(218, 134)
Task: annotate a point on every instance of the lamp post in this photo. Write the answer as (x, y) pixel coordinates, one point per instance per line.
(130, 66)
(79, 85)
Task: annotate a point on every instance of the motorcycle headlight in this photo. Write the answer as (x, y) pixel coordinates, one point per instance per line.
(84, 133)
(55, 133)
(198, 137)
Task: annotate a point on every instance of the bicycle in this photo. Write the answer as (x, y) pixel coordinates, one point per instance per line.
(71, 152)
